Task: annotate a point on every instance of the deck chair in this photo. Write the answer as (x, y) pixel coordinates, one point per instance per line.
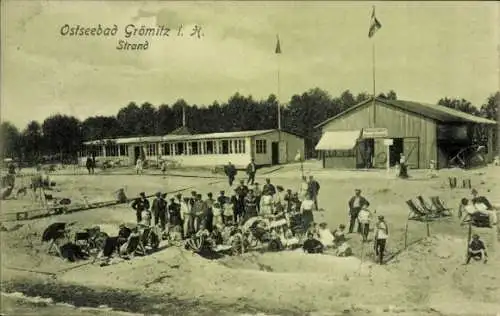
(53, 233)
(416, 211)
(429, 208)
(440, 207)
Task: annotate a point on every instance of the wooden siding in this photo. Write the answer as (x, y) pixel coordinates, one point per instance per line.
(400, 124)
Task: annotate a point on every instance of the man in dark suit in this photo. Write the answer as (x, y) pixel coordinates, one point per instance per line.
(230, 171)
(313, 190)
(355, 205)
(140, 204)
(251, 170)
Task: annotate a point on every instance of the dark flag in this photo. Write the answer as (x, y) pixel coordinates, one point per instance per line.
(374, 25)
(278, 46)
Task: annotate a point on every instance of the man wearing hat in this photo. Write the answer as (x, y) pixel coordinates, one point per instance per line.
(175, 219)
(269, 188)
(139, 205)
(381, 236)
(355, 205)
(158, 206)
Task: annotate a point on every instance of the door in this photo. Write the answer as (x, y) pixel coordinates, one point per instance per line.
(275, 153)
(379, 154)
(137, 153)
(411, 151)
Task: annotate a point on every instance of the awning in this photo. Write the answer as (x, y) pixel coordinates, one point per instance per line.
(338, 140)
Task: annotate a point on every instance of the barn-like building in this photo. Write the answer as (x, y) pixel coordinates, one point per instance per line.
(425, 134)
(266, 147)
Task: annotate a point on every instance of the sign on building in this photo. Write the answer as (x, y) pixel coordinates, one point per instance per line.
(375, 132)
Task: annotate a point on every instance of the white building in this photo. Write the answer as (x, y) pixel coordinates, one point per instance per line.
(267, 147)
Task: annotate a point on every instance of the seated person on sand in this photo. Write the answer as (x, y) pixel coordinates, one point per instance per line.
(344, 250)
(339, 235)
(325, 236)
(289, 240)
(476, 250)
(312, 245)
(468, 209)
(480, 199)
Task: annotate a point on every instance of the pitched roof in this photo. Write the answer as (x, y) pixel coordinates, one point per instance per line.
(436, 112)
(124, 140)
(182, 137)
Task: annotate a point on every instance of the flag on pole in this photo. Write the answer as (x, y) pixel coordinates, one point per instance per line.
(278, 46)
(374, 25)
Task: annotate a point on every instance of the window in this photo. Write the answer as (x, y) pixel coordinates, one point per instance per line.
(209, 147)
(260, 146)
(123, 150)
(165, 149)
(111, 151)
(195, 150)
(239, 146)
(179, 149)
(96, 150)
(224, 147)
(151, 150)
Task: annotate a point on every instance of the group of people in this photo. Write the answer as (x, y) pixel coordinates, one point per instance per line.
(187, 215)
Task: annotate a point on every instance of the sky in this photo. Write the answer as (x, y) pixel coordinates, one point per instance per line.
(424, 51)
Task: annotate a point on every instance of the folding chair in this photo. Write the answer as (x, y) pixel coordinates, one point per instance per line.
(416, 212)
(440, 207)
(429, 208)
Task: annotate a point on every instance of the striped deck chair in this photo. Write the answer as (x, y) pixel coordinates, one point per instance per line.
(416, 211)
(441, 208)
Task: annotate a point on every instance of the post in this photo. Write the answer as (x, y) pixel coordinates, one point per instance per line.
(427, 226)
(406, 234)
(388, 155)
(469, 236)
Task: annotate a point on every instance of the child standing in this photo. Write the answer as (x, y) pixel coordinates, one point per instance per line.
(364, 218)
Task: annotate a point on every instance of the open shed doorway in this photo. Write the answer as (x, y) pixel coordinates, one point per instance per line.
(395, 151)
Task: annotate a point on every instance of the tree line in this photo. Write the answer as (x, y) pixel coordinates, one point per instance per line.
(62, 135)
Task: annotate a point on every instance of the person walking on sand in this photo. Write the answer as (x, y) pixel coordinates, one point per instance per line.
(251, 171)
(138, 166)
(381, 236)
(355, 205)
(230, 171)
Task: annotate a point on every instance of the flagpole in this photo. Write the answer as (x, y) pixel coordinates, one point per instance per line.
(373, 83)
(279, 107)
(373, 71)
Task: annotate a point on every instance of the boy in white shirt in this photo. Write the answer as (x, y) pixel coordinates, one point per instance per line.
(325, 236)
(364, 218)
(381, 236)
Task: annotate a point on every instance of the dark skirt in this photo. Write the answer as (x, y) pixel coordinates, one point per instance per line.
(307, 219)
